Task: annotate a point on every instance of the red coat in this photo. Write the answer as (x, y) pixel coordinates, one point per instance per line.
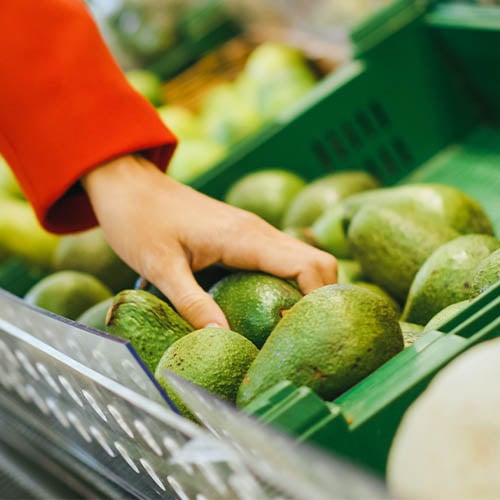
(65, 107)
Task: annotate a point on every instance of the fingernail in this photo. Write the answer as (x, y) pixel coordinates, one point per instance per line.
(213, 325)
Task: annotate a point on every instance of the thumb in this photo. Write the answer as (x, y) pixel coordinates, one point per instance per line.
(192, 302)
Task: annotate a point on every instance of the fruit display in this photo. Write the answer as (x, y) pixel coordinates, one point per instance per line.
(273, 79)
(391, 168)
(412, 257)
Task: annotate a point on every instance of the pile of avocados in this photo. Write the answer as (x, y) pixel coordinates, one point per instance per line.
(409, 257)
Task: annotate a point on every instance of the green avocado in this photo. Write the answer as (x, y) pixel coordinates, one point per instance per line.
(323, 193)
(348, 271)
(254, 302)
(446, 276)
(95, 316)
(487, 273)
(267, 193)
(440, 202)
(216, 359)
(89, 252)
(381, 292)
(441, 317)
(391, 245)
(329, 232)
(329, 340)
(147, 321)
(67, 293)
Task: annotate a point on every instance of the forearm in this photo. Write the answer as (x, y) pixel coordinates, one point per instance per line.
(65, 107)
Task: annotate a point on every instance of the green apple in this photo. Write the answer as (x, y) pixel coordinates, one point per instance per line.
(22, 236)
(271, 57)
(8, 183)
(226, 118)
(274, 78)
(146, 83)
(181, 121)
(194, 157)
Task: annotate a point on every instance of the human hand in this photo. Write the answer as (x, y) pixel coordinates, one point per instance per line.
(165, 231)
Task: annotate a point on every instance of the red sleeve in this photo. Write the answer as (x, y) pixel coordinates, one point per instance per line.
(65, 107)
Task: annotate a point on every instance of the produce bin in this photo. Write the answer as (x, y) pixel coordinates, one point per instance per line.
(418, 103)
(362, 422)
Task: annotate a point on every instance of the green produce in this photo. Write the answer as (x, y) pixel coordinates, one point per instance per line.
(300, 233)
(22, 236)
(381, 292)
(329, 232)
(67, 293)
(89, 252)
(348, 271)
(225, 118)
(271, 58)
(215, 359)
(446, 276)
(9, 186)
(147, 84)
(274, 78)
(329, 340)
(181, 121)
(267, 193)
(445, 314)
(435, 201)
(193, 157)
(439, 202)
(254, 303)
(323, 193)
(391, 246)
(411, 332)
(487, 273)
(148, 322)
(95, 316)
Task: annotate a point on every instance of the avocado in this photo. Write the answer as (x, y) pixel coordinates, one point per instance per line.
(22, 236)
(267, 193)
(329, 232)
(67, 293)
(441, 317)
(446, 276)
(148, 322)
(411, 332)
(89, 252)
(440, 202)
(391, 245)
(95, 316)
(329, 340)
(216, 359)
(381, 292)
(323, 193)
(348, 271)
(254, 302)
(487, 273)
(300, 233)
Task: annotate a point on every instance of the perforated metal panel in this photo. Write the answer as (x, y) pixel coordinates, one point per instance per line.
(87, 393)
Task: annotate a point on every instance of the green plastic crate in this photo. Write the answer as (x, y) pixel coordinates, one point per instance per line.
(419, 103)
(406, 109)
(362, 422)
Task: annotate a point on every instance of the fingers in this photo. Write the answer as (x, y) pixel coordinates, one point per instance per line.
(260, 246)
(191, 301)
